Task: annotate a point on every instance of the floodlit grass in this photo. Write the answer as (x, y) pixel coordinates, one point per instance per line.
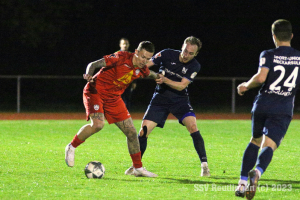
(32, 162)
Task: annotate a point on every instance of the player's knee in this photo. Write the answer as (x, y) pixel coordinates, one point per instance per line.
(269, 143)
(256, 141)
(131, 135)
(192, 128)
(97, 126)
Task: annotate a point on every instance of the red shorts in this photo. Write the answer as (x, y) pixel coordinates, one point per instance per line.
(114, 109)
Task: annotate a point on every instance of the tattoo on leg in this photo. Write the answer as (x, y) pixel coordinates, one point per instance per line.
(98, 116)
(129, 130)
(125, 125)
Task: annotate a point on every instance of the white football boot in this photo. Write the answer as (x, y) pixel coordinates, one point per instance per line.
(143, 172)
(69, 155)
(129, 171)
(204, 169)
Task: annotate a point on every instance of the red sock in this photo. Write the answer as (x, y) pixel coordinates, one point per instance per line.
(76, 141)
(137, 160)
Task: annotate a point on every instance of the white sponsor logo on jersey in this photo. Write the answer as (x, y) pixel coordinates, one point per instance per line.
(137, 71)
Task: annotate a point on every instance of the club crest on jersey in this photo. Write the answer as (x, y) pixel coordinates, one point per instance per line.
(96, 107)
(113, 55)
(137, 72)
(184, 70)
(194, 75)
(157, 55)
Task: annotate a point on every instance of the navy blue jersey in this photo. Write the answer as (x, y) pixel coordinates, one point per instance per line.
(277, 94)
(173, 69)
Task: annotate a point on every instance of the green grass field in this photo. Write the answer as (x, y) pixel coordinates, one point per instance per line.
(32, 162)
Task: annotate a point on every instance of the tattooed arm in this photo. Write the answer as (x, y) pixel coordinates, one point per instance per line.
(91, 68)
(153, 75)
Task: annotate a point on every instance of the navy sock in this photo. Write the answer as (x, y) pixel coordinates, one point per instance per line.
(249, 159)
(143, 144)
(264, 159)
(199, 145)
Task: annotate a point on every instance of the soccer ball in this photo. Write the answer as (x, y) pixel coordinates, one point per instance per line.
(94, 169)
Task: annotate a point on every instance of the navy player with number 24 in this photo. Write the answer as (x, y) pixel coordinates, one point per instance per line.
(177, 70)
(278, 76)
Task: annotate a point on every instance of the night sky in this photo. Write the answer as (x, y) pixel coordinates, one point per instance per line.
(60, 37)
(45, 37)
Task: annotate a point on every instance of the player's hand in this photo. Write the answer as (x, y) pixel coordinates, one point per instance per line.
(88, 77)
(160, 79)
(241, 89)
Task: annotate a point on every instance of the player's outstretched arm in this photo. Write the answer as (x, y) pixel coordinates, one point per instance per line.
(174, 84)
(90, 69)
(257, 80)
(153, 75)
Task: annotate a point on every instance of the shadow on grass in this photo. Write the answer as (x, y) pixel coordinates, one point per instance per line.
(210, 180)
(172, 181)
(187, 181)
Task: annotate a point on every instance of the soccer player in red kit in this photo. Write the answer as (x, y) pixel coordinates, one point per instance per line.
(102, 98)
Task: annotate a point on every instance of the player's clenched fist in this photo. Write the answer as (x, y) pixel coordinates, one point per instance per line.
(159, 79)
(241, 89)
(88, 77)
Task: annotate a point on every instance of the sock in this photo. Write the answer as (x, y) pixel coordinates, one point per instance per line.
(136, 160)
(249, 159)
(76, 142)
(143, 144)
(204, 164)
(199, 145)
(264, 159)
(242, 182)
(259, 171)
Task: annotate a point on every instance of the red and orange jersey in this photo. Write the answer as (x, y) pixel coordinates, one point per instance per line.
(118, 74)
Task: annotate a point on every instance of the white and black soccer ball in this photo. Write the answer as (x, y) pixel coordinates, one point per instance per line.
(94, 169)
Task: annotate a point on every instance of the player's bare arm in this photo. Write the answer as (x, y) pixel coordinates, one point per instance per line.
(91, 69)
(257, 80)
(173, 84)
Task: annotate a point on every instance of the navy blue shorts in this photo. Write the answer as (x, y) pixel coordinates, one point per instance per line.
(272, 125)
(161, 106)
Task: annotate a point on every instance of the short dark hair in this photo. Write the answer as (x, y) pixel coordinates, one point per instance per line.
(194, 41)
(147, 45)
(282, 29)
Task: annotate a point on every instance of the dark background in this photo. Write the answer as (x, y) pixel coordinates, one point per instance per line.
(47, 37)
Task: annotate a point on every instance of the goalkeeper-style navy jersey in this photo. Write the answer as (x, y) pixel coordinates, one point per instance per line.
(173, 69)
(277, 94)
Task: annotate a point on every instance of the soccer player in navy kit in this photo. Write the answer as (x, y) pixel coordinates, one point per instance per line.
(177, 70)
(273, 106)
